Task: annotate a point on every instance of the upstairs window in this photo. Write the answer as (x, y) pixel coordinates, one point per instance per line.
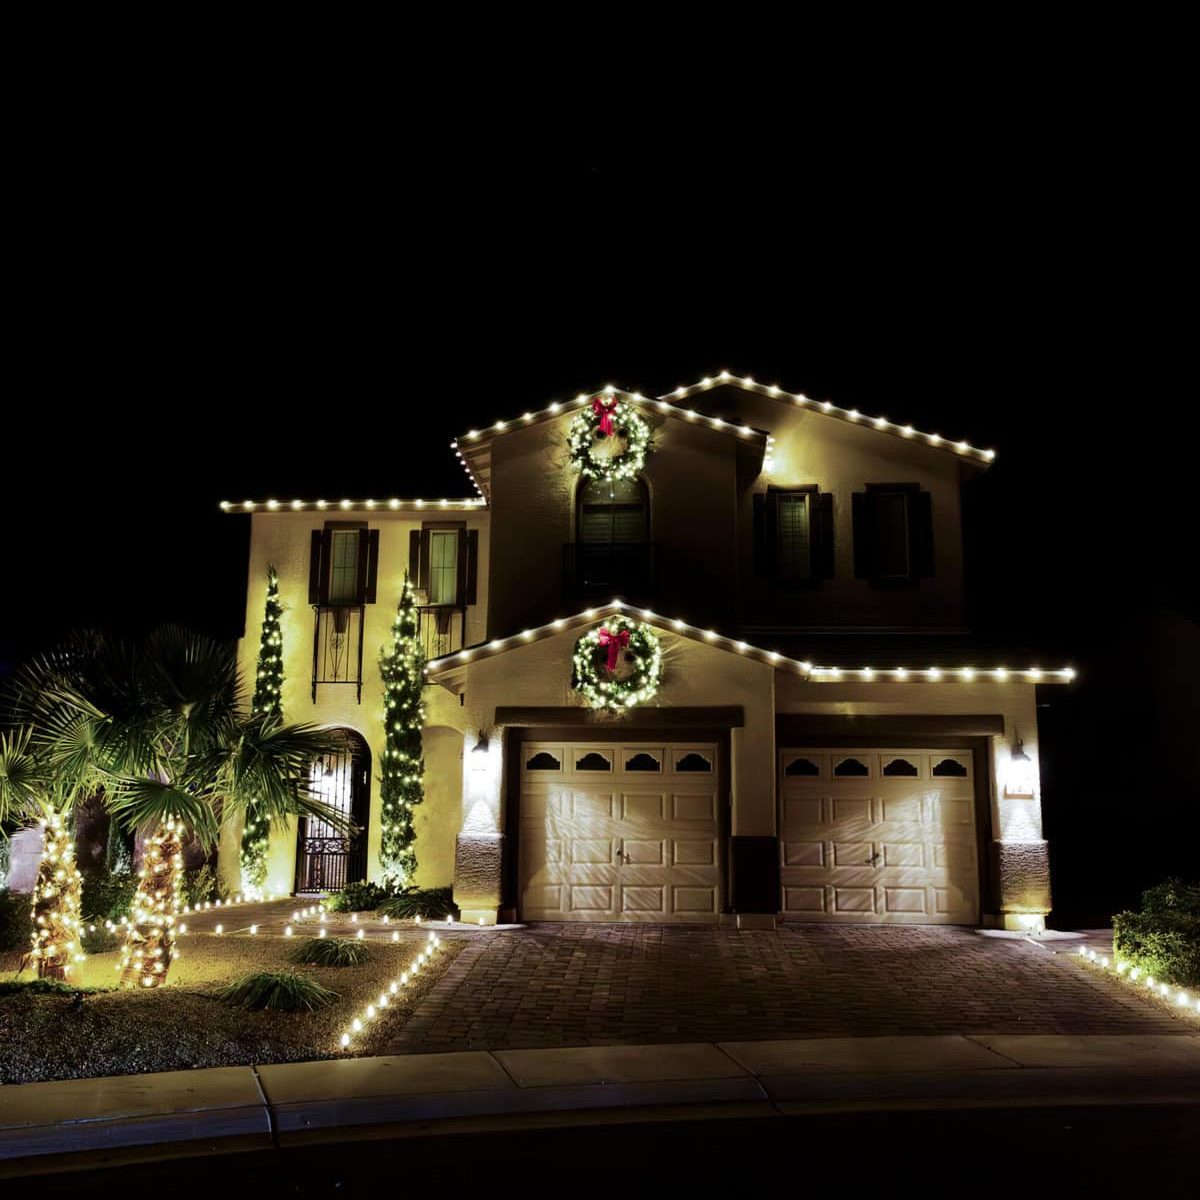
(893, 533)
(613, 510)
(793, 534)
(443, 562)
(343, 564)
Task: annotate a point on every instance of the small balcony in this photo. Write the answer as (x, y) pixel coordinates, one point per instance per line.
(338, 647)
(442, 628)
(601, 570)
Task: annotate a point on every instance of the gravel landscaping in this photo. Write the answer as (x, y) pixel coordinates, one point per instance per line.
(184, 1024)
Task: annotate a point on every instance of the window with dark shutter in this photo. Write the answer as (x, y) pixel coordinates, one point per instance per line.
(344, 565)
(893, 533)
(443, 562)
(613, 510)
(793, 534)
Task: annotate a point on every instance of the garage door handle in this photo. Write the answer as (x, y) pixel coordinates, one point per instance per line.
(873, 859)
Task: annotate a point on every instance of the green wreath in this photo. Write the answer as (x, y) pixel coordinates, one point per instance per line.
(617, 664)
(596, 434)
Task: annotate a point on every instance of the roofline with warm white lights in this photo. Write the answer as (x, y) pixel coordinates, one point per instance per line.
(393, 504)
(670, 404)
(436, 668)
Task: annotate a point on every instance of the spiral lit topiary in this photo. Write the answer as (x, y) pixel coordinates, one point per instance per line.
(604, 652)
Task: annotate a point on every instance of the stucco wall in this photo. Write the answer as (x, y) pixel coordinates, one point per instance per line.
(284, 540)
(701, 483)
(691, 478)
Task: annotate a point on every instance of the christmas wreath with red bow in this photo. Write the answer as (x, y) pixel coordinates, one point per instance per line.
(618, 664)
(609, 438)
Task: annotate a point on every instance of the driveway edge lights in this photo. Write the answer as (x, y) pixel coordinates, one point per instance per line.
(1182, 1000)
(223, 1108)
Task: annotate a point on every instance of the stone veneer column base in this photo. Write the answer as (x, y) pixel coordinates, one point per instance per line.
(477, 873)
(1022, 874)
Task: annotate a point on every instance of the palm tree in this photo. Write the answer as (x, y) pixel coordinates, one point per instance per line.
(28, 793)
(161, 728)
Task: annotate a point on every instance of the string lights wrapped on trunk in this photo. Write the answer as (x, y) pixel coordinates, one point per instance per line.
(57, 927)
(149, 946)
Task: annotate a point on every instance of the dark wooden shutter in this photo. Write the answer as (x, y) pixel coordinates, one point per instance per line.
(460, 568)
(920, 527)
(363, 565)
(423, 568)
(762, 561)
(414, 558)
(326, 564)
(468, 595)
(822, 535)
(864, 536)
(372, 566)
(315, 559)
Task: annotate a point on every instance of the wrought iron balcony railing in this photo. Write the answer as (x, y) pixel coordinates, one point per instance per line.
(593, 569)
(442, 628)
(337, 646)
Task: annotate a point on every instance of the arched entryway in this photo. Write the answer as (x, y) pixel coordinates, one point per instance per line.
(325, 860)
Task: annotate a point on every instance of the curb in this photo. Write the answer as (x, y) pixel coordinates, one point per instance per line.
(64, 1125)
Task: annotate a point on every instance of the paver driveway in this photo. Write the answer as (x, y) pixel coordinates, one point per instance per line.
(563, 985)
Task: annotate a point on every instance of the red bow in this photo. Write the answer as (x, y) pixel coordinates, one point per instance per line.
(604, 410)
(614, 643)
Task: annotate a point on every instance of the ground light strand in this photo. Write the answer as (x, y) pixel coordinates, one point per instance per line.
(375, 1009)
(1181, 997)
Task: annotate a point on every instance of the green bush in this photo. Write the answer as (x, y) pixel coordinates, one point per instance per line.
(107, 895)
(1163, 939)
(201, 884)
(421, 902)
(358, 897)
(99, 940)
(14, 921)
(5, 858)
(332, 952)
(287, 991)
(1173, 895)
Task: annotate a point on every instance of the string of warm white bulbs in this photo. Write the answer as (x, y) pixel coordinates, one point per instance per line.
(438, 667)
(391, 990)
(1135, 975)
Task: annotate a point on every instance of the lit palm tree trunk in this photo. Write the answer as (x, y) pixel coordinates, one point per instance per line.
(150, 941)
(57, 929)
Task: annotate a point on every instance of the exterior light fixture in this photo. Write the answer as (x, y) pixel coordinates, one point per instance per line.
(1019, 784)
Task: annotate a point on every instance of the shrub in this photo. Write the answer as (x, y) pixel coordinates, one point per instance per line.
(5, 859)
(332, 952)
(202, 884)
(107, 895)
(1164, 938)
(358, 897)
(1173, 896)
(14, 921)
(421, 902)
(286, 991)
(98, 940)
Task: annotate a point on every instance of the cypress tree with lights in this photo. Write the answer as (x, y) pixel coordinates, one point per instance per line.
(401, 783)
(268, 688)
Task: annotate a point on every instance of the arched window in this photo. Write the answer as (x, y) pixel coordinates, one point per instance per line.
(613, 510)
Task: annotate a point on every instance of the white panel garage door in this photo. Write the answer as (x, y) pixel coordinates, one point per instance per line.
(619, 832)
(879, 836)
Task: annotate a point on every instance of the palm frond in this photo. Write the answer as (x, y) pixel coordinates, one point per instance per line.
(146, 803)
(268, 766)
(192, 682)
(22, 778)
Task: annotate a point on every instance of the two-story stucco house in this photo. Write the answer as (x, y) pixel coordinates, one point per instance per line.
(819, 739)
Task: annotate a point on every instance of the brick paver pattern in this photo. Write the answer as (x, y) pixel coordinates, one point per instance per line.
(567, 985)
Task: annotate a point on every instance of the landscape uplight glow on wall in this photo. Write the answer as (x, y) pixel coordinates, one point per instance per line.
(436, 668)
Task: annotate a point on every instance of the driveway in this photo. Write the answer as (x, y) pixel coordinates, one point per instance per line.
(564, 985)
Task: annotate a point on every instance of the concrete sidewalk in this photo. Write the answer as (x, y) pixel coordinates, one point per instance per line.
(56, 1126)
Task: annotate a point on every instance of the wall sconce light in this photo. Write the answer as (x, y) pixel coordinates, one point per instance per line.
(1019, 784)
(479, 753)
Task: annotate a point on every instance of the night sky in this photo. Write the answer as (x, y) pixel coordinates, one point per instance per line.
(294, 307)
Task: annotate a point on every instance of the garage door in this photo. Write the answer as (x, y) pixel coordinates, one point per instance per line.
(625, 831)
(879, 836)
